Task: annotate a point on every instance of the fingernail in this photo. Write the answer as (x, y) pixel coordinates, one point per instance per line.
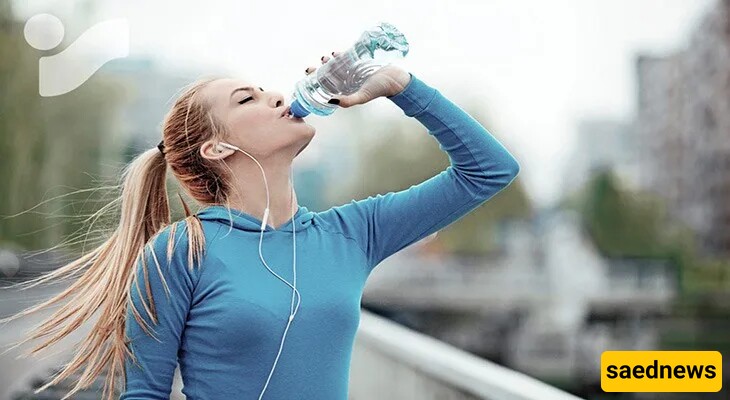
(334, 101)
(322, 58)
(333, 54)
(306, 71)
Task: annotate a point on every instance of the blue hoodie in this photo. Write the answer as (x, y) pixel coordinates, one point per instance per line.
(223, 320)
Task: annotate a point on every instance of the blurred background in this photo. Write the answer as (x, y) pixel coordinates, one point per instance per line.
(615, 235)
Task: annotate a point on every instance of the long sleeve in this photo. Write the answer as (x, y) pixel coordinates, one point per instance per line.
(151, 377)
(480, 168)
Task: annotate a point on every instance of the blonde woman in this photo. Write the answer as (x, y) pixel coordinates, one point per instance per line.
(254, 295)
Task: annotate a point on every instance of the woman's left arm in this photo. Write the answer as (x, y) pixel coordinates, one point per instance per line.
(480, 168)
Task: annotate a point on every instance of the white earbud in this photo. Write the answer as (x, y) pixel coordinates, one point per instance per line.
(223, 145)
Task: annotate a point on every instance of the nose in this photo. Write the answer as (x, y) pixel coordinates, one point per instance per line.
(276, 99)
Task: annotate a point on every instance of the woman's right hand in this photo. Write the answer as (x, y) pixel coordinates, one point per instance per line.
(385, 82)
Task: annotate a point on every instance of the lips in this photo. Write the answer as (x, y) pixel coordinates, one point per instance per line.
(286, 111)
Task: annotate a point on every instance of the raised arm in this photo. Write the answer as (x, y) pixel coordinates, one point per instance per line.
(152, 375)
(480, 168)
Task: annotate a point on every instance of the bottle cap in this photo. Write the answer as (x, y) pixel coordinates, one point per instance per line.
(297, 110)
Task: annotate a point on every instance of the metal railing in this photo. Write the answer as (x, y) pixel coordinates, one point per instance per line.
(393, 362)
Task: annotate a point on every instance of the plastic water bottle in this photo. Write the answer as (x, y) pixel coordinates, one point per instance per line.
(346, 73)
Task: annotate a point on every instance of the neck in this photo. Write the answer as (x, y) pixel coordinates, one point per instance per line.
(248, 193)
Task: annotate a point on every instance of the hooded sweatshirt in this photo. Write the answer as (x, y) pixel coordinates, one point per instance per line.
(223, 319)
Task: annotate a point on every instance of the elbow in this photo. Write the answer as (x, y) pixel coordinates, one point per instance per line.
(513, 168)
(510, 170)
(496, 179)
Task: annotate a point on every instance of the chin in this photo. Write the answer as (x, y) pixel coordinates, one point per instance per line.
(304, 146)
(309, 130)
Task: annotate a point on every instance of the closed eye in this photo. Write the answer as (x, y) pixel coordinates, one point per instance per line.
(249, 98)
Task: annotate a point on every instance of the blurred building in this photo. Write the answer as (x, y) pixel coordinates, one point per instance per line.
(661, 139)
(683, 124)
(603, 144)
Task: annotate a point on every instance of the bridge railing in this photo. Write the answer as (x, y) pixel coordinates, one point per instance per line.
(393, 362)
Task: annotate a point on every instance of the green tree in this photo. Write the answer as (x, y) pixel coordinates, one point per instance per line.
(626, 223)
(48, 146)
(623, 223)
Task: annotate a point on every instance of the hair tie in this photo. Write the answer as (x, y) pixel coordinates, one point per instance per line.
(161, 147)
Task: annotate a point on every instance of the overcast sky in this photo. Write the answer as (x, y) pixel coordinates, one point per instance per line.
(537, 66)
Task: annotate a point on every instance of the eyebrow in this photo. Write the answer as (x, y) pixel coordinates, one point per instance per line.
(247, 88)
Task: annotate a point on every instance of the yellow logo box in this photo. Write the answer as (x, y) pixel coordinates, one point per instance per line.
(661, 371)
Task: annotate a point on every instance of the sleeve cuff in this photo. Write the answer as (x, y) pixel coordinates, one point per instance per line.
(415, 97)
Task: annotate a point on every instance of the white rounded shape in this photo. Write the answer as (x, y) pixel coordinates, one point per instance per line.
(43, 31)
(9, 263)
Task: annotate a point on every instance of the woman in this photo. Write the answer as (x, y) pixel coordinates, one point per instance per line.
(204, 291)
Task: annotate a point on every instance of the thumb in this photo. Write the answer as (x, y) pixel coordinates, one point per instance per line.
(348, 100)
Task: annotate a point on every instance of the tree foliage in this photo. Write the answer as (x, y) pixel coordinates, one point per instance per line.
(49, 146)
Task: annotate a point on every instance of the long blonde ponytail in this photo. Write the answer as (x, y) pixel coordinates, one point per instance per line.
(106, 275)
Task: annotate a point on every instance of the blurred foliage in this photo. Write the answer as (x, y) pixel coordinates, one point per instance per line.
(410, 156)
(623, 223)
(49, 146)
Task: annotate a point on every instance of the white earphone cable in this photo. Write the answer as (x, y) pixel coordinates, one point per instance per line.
(293, 310)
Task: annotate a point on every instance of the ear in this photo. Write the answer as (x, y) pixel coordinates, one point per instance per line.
(211, 151)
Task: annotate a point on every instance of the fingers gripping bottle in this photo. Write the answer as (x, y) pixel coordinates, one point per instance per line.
(346, 73)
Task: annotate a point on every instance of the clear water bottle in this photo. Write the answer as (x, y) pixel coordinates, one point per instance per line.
(346, 73)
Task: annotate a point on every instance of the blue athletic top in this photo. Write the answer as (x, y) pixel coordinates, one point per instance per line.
(223, 321)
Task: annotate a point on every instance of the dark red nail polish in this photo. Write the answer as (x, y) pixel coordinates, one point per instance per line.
(334, 101)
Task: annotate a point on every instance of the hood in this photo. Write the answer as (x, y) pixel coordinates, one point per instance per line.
(303, 218)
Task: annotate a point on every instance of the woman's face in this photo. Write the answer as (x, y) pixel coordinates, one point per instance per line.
(254, 118)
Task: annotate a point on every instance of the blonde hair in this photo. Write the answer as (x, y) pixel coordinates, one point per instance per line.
(106, 274)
